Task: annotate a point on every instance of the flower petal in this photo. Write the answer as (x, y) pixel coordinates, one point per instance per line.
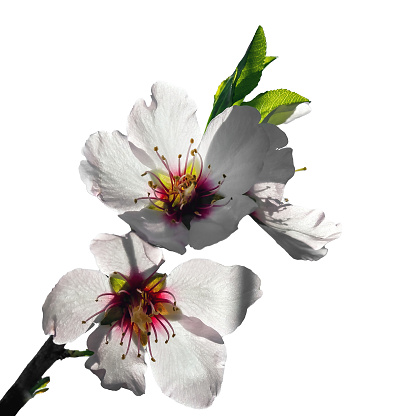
(153, 226)
(277, 170)
(72, 301)
(169, 122)
(189, 369)
(221, 222)
(109, 367)
(235, 144)
(217, 295)
(197, 327)
(278, 164)
(298, 230)
(128, 255)
(112, 172)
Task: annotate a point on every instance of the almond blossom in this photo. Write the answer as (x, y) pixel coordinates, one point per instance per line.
(302, 232)
(171, 186)
(177, 321)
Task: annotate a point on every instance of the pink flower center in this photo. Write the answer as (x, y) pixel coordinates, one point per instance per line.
(138, 310)
(183, 191)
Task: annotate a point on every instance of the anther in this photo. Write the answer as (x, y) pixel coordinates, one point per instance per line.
(138, 355)
(148, 334)
(123, 356)
(121, 343)
(106, 342)
(144, 174)
(155, 148)
(286, 200)
(209, 166)
(192, 140)
(224, 175)
(153, 360)
(135, 200)
(179, 156)
(298, 170)
(84, 322)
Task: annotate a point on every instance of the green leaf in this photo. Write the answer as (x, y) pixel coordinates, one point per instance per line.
(41, 384)
(268, 60)
(276, 106)
(251, 66)
(245, 77)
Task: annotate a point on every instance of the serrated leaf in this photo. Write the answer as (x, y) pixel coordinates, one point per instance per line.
(251, 66)
(276, 106)
(268, 60)
(245, 77)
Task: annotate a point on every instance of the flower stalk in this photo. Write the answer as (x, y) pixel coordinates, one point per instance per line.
(30, 382)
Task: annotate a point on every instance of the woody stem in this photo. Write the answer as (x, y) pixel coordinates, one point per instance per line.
(25, 386)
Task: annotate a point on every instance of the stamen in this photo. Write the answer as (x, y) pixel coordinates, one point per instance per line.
(164, 327)
(179, 163)
(110, 305)
(171, 327)
(155, 332)
(150, 348)
(298, 170)
(128, 345)
(187, 155)
(105, 294)
(169, 293)
(108, 333)
(158, 179)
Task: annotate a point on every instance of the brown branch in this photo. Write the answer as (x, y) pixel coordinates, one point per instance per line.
(22, 390)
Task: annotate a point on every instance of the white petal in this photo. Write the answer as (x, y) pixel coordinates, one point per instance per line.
(267, 191)
(169, 123)
(109, 367)
(197, 327)
(277, 170)
(154, 226)
(298, 229)
(278, 166)
(221, 222)
(189, 369)
(128, 255)
(235, 145)
(112, 172)
(218, 295)
(72, 301)
(277, 138)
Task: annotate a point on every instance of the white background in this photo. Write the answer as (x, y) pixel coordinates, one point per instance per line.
(334, 337)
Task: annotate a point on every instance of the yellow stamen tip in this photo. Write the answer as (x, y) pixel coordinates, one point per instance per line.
(155, 148)
(192, 140)
(298, 170)
(179, 156)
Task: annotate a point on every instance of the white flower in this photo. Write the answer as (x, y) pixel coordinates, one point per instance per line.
(179, 320)
(302, 232)
(172, 187)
